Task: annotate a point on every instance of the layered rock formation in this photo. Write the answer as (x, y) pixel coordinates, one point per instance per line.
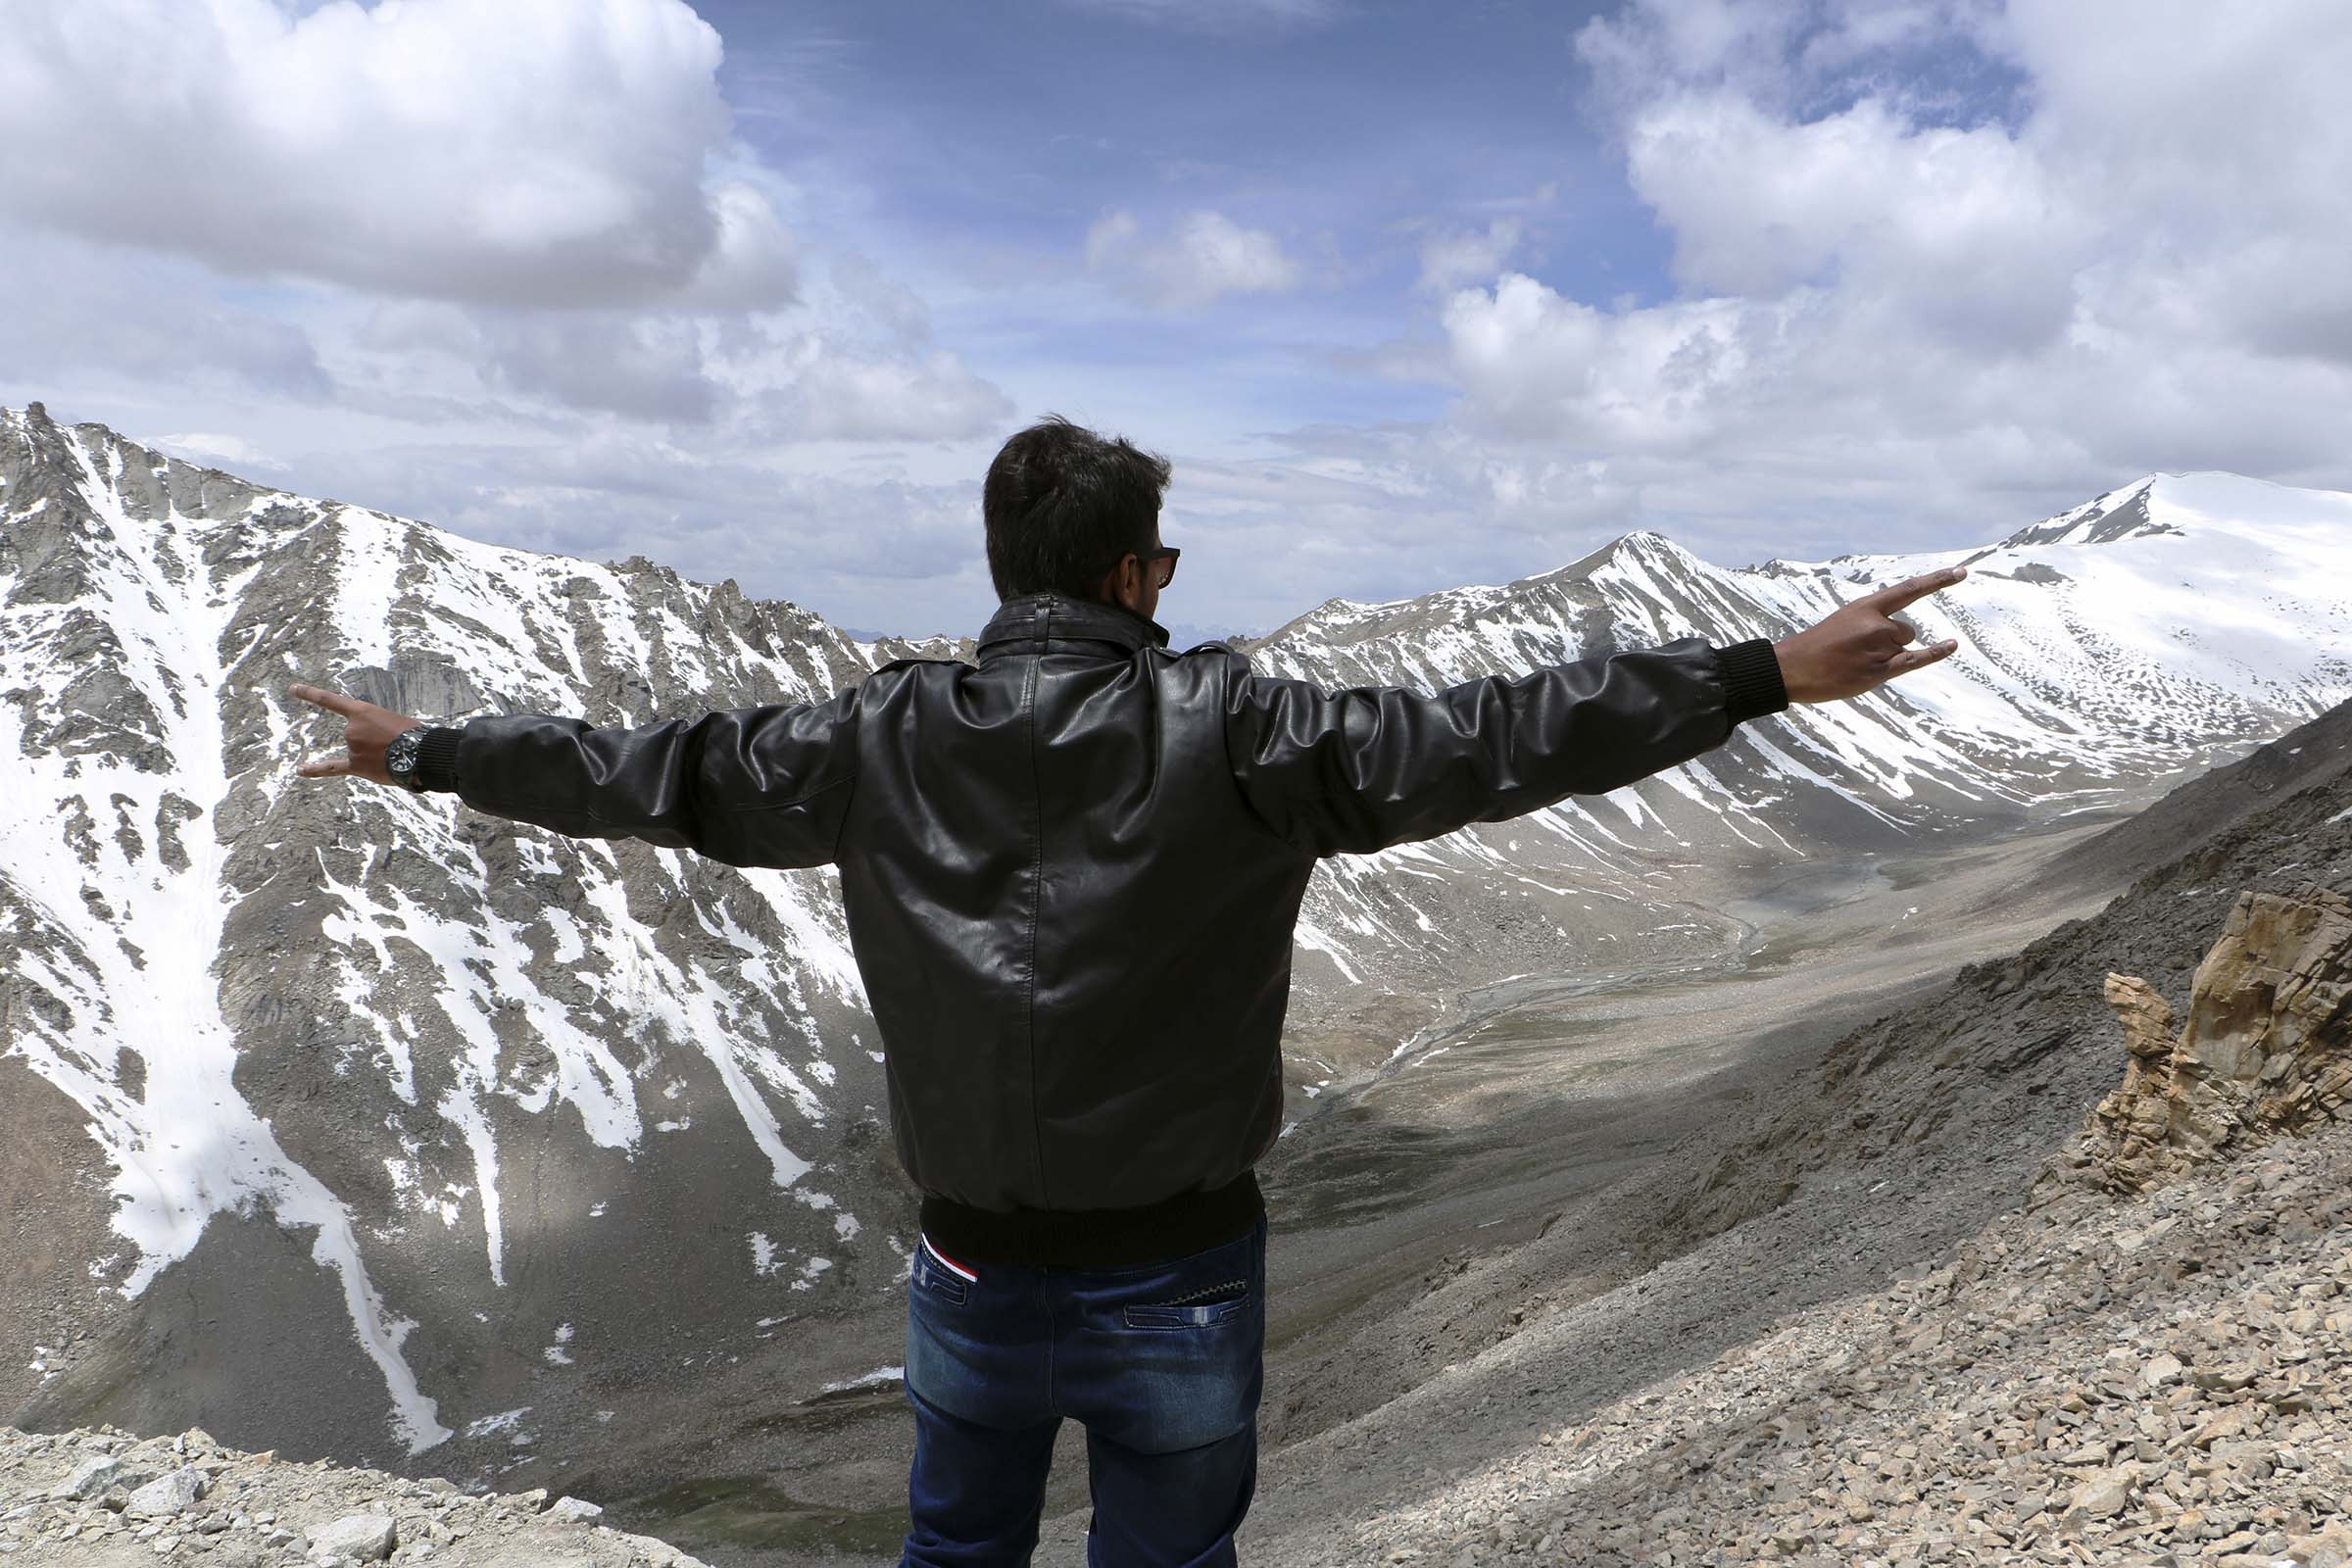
(2267, 1048)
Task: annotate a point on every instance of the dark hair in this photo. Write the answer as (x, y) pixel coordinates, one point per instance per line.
(1062, 505)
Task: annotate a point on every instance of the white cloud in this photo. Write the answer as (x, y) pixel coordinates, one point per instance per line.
(207, 447)
(539, 152)
(1758, 205)
(522, 213)
(1462, 256)
(1901, 313)
(1206, 257)
(820, 389)
(1539, 366)
(831, 372)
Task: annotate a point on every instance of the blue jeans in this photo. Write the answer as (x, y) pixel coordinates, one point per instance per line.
(1162, 1362)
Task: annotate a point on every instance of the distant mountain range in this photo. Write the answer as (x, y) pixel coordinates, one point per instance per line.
(481, 1120)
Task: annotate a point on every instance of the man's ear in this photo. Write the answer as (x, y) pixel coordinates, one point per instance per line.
(1126, 582)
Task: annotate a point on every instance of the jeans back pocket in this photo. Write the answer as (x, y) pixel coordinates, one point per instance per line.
(1210, 1304)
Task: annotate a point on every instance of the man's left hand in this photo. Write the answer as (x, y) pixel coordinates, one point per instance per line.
(367, 730)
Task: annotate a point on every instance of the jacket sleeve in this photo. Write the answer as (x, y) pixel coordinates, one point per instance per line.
(749, 786)
(1349, 772)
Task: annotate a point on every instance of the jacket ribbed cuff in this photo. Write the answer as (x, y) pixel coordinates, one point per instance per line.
(437, 759)
(1751, 679)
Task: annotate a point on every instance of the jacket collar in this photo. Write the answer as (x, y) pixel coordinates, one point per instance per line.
(1034, 622)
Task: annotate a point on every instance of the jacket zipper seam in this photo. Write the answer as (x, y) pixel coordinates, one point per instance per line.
(1037, 901)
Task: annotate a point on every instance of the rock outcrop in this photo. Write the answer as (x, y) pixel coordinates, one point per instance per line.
(2266, 1050)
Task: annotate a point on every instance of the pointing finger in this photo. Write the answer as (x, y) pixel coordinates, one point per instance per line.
(325, 766)
(348, 707)
(1911, 659)
(1896, 595)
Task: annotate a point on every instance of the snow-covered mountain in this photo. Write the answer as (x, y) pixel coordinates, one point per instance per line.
(2104, 654)
(527, 1103)
(343, 1121)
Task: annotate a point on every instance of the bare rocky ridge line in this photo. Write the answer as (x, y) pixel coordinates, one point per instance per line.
(102, 1498)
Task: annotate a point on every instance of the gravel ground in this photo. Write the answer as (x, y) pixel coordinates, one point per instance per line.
(2166, 1380)
(102, 1498)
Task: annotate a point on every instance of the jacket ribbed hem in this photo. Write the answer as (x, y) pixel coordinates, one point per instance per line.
(437, 757)
(1082, 1237)
(1751, 679)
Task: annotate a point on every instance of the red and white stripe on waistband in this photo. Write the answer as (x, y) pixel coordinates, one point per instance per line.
(947, 1262)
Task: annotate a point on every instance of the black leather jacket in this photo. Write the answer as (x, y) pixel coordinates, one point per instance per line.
(1070, 872)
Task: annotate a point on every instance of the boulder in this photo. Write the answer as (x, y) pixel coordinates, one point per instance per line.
(369, 1537)
(171, 1492)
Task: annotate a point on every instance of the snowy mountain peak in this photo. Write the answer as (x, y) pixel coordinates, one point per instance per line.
(2123, 514)
(1640, 549)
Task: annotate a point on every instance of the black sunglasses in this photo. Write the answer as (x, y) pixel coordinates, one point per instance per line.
(1164, 553)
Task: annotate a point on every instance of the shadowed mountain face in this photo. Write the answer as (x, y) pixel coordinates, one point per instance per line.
(343, 1121)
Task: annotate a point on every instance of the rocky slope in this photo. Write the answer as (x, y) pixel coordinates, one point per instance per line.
(102, 1498)
(1984, 1288)
(2165, 1380)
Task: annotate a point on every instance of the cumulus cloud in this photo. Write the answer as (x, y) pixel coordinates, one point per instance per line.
(1203, 257)
(535, 152)
(523, 212)
(1966, 231)
(1539, 364)
(1456, 257)
(1942, 254)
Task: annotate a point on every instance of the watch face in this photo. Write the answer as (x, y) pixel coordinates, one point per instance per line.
(400, 757)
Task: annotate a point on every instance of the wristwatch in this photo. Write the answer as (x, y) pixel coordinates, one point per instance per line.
(400, 757)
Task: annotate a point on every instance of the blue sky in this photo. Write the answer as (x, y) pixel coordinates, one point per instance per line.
(973, 148)
(1412, 294)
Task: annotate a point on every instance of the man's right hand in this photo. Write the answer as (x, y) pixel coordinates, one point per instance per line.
(1858, 646)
